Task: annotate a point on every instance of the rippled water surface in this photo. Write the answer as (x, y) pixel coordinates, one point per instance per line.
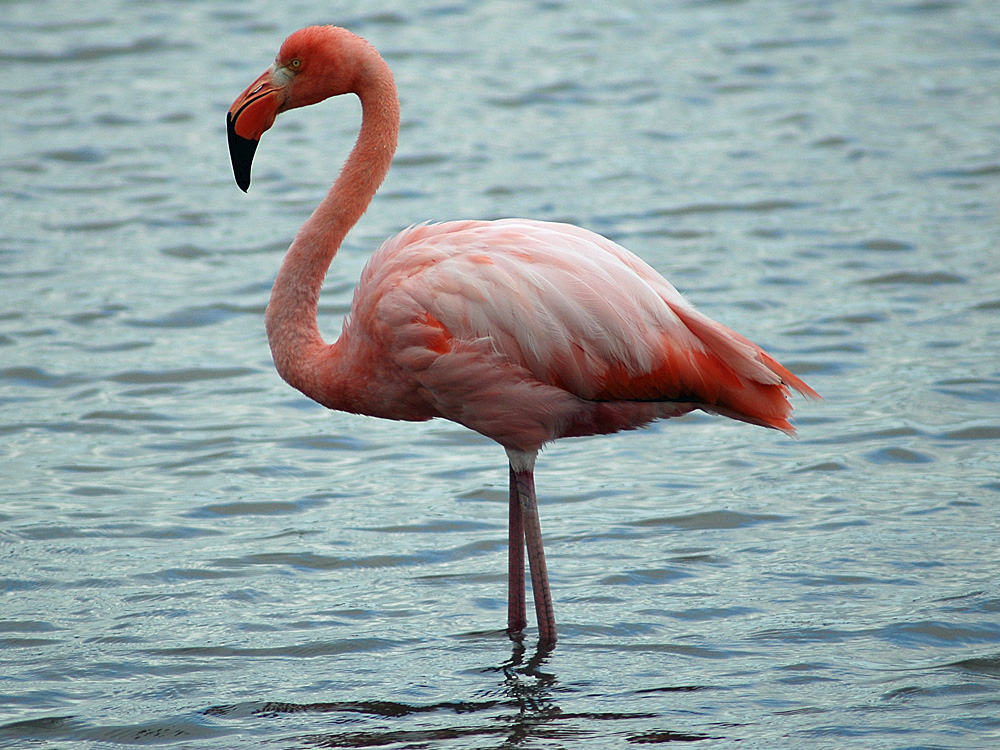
(192, 553)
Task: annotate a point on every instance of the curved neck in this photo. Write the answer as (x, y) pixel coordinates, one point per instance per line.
(292, 329)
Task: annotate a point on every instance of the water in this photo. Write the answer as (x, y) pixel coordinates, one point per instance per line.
(192, 553)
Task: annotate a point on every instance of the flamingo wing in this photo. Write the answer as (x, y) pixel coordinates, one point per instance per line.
(547, 316)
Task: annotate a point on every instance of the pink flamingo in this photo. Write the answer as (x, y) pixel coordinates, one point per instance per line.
(524, 331)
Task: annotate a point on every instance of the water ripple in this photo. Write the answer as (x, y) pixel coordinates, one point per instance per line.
(181, 530)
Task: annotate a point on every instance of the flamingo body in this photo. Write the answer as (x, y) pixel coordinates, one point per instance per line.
(529, 331)
(524, 331)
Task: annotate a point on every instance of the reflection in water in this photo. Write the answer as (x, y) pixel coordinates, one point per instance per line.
(539, 717)
(527, 711)
(530, 689)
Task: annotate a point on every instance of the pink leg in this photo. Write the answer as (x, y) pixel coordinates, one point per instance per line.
(516, 610)
(536, 556)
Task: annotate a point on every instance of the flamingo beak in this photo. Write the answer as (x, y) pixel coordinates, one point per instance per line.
(252, 113)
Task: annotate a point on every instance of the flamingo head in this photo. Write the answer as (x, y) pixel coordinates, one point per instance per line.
(313, 64)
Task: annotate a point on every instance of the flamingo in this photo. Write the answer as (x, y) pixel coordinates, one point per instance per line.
(524, 331)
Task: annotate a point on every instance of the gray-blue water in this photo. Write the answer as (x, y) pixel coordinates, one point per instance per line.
(193, 554)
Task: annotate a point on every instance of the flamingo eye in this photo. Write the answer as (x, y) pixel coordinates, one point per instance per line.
(295, 64)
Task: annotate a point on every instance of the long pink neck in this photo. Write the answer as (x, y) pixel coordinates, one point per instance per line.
(300, 354)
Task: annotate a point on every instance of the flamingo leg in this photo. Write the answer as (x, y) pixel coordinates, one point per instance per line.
(544, 614)
(516, 609)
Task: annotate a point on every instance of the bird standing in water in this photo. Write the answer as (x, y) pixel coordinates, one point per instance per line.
(524, 331)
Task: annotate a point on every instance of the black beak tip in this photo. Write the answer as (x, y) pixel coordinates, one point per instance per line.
(241, 151)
